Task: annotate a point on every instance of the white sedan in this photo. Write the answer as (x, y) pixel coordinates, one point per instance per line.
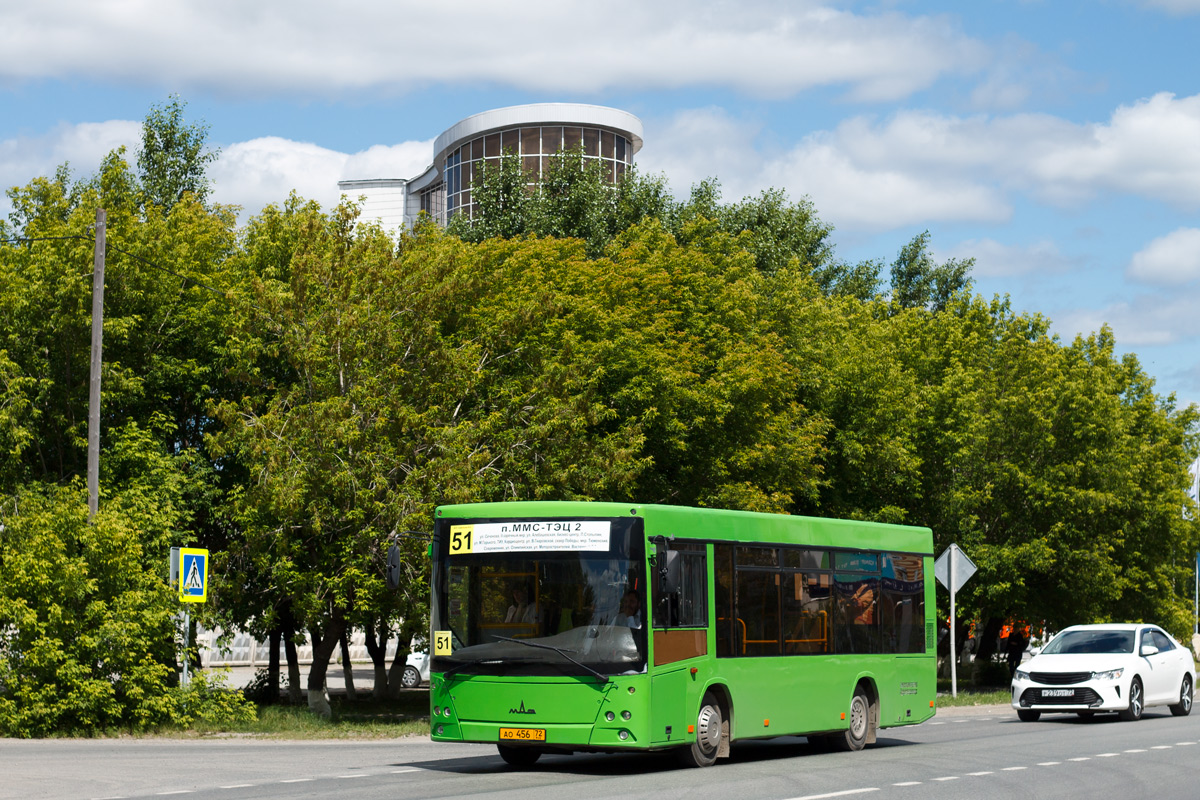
(416, 669)
(1091, 668)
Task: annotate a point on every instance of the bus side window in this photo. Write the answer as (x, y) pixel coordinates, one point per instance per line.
(688, 607)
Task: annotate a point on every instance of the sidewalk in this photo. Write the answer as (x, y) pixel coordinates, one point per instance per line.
(335, 681)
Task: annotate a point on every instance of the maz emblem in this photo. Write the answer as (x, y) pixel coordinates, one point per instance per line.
(522, 709)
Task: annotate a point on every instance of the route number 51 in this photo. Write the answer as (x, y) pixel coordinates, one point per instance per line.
(460, 539)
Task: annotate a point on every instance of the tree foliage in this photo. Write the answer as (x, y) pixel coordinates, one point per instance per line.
(173, 160)
(296, 394)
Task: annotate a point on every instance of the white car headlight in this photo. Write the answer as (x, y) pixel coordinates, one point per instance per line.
(1021, 675)
(1109, 675)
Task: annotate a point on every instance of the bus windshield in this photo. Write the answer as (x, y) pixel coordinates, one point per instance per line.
(541, 597)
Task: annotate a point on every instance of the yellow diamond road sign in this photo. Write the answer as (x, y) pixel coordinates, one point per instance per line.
(193, 575)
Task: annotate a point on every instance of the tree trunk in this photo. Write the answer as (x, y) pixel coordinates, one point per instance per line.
(403, 647)
(323, 644)
(295, 693)
(377, 649)
(273, 639)
(348, 668)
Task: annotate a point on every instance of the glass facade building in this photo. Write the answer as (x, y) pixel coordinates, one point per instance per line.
(532, 133)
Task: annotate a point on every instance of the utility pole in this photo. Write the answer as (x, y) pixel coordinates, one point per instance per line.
(93, 456)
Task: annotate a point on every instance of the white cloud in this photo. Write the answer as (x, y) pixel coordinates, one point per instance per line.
(996, 260)
(1176, 7)
(261, 171)
(918, 167)
(1171, 260)
(1146, 320)
(82, 146)
(249, 174)
(768, 47)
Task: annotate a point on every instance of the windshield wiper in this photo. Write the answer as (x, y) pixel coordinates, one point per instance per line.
(466, 664)
(562, 651)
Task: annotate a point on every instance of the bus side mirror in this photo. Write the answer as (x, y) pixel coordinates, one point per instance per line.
(393, 567)
(670, 572)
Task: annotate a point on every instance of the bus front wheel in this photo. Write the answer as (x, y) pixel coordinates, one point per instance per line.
(703, 751)
(519, 756)
(855, 737)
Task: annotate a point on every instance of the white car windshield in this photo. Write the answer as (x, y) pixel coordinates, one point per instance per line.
(1091, 641)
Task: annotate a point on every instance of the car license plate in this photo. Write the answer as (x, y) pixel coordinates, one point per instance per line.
(523, 734)
(1058, 692)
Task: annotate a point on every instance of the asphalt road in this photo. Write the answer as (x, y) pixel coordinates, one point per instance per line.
(976, 753)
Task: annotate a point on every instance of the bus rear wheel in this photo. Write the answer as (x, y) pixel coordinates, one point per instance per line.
(703, 751)
(519, 756)
(854, 737)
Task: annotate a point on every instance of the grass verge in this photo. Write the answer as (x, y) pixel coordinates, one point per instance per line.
(366, 718)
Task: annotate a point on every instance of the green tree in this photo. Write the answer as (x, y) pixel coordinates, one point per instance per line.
(173, 160)
(919, 282)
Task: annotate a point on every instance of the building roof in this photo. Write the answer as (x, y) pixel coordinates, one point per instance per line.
(579, 114)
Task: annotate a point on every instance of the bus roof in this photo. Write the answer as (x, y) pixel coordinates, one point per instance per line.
(716, 524)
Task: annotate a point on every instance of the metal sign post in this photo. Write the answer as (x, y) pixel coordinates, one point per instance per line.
(953, 569)
(189, 574)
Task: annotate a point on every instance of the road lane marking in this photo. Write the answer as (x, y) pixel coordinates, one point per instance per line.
(1106, 755)
(979, 774)
(1081, 758)
(1183, 744)
(947, 778)
(1049, 763)
(1161, 747)
(1013, 769)
(837, 794)
(359, 775)
(177, 791)
(907, 783)
(237, 786)
(1135, 751)
(298, 780)
(406, 770)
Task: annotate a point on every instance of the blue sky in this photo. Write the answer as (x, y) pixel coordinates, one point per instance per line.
(1057, 143)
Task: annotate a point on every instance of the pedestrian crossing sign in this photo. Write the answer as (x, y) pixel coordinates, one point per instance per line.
(193, 575)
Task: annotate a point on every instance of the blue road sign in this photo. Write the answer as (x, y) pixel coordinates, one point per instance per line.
(193, 575)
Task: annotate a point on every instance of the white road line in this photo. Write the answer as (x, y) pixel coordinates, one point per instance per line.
(947, 778)
(1161, 747)
(837, 794)
(237, 786)
(1107, 755)
(1013, 769)
(1081, 758)
(298, 780)
(1049, 763)
(907, 783)
(359, 775)
(980, 774)
(1135, 751)
(177, 791)
(405, 770)
(1183, 744)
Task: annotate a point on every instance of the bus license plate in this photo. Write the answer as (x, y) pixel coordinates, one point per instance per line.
(523, 734)
(1058, 692)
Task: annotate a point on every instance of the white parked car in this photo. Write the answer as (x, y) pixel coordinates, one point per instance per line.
(416, 670)
(1090, 668)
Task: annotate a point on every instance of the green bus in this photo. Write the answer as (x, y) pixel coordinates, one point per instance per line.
(605, 627)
